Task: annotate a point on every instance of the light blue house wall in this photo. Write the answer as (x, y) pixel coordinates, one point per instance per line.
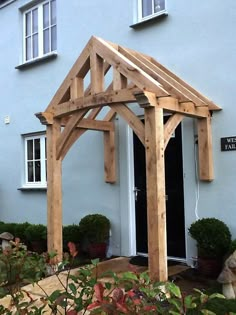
(196, 41)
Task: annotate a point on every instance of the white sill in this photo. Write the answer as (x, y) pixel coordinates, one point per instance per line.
(33, 188)
(150, 19)
(38, 60)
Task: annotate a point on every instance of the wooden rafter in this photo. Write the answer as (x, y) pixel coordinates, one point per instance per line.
(132, 77)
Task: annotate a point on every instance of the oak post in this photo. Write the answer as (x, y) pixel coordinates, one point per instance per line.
(54, 192)
(156, 203)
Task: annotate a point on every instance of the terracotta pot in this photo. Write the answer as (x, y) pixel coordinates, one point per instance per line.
(209, 267)
(97, 250)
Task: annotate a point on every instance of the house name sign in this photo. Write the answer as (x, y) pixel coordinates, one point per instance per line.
(228, 144)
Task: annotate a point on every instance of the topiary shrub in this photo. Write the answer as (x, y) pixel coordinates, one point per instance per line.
(71, 233)
(213, 237)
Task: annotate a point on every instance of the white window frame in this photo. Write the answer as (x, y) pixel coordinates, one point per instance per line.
(41, 53)
(152, 15)
(43, 160)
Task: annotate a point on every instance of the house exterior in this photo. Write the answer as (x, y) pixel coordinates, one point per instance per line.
(194, 41)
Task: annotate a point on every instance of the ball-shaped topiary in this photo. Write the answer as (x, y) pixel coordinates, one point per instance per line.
(213, 237)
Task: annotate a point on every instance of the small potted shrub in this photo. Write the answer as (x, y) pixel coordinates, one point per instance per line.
(95, 230)
(213, 242)
(36, 235)
(71, 233)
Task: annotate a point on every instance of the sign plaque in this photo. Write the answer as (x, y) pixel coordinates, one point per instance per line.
(228, 144)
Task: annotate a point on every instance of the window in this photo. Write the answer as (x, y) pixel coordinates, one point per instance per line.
(35, 161)
(151, 8)
(40, 30)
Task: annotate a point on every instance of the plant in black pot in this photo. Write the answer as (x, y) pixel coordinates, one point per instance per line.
(36, 235)
(95, 230)
(213, 239)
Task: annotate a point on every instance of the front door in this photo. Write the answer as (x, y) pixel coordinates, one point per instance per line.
(174, 196)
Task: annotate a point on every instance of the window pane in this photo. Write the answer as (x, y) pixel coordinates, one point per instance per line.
(146, 7)
(28, 48)
(37, 171)
(45, 15)
(35, 46)
(159, 5)
(30, 172)
(53, 12)
(35, 20)
(46, 41)
(37, 149)
(30, 150)
(28, 24)
(53, 38)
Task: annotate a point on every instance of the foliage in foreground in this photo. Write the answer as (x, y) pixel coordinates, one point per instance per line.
(128, 293)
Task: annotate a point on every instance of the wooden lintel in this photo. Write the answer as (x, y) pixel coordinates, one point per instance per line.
(170, 126)
(156, 202)
(205, 154)
(95, 100)
(54, 192)
(46, 118)
(132, 120)
(109, 157)
(98, 125)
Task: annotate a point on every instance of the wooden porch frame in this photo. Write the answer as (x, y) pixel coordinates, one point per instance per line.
(137, 78)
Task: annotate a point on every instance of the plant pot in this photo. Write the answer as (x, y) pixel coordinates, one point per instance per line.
(38, 246)
(97, 250)
(209, 267)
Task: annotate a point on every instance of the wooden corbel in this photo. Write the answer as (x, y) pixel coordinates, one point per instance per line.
(45, 118)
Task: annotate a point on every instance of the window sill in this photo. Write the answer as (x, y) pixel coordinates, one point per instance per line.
(150, 20)
(36, 61)
(30, 188)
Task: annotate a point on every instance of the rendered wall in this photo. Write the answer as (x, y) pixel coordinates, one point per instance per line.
(196, 41)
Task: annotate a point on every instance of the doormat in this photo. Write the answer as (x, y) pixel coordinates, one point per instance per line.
(143, 261)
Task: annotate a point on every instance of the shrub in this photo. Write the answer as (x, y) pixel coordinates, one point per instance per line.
(36, 232)
(212, 235)
(95, 228)
(71, 233)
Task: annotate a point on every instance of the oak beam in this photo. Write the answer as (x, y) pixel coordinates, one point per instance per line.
(205, 154)
(156, 203)
(97, 72)
(172, 105)
(132, 120)
(170, 126)
(54, 192)
(109, 157)
(96, 100)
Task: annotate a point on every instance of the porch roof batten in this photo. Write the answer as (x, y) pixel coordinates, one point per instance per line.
(136, 78)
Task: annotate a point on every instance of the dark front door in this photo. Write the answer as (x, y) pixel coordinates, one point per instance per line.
(174, 196)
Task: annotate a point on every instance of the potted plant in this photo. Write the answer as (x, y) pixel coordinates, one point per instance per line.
(71, 233)
(95, 230)
(213, 242)
(36, 235)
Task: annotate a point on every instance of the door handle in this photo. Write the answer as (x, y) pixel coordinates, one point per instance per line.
(136, 190)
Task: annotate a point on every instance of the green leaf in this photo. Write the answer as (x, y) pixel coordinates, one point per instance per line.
(174, 313)
(55, 295)
(176, 303)
(95, 261)
(108, 285)
(73, 288)
(216, 295)
(73, 278)
(207, 312)
(188, 302)
(129, 276)
(174, 289)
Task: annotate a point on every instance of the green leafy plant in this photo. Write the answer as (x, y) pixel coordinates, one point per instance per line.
(95, 228)
(212, 235)
(71, 233)
(36, 232)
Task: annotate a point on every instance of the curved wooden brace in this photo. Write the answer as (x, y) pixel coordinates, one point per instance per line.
(132, 120)
(170, 127)
(67, 132)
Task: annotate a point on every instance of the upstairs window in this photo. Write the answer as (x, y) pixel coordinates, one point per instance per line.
(40, 30)
(151, 8)
(35, 161)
